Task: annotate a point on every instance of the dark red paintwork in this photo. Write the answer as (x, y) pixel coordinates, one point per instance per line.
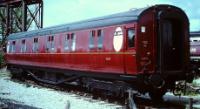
(131, 61)
(105, 60)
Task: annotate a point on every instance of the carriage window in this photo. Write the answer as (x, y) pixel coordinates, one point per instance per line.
(195, 40)
(12, 47)
(50, 44)
(66, 42)
(35, 45)
(99, 32)
(23, 46)
(73, 38)
(168, 33)
(100, 39)
(131, 37)
(91, 39)
(93, 33)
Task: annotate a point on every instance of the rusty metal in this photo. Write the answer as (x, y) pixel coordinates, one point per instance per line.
(18, 15)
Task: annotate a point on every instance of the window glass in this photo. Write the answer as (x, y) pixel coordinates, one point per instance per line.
(99, 32)
(93, 33)
(35, 45)
(50, 44)
(73, 38)
(8, 47)
(23, 46)
(131, 37)
(100, 39)
(195, 39)
(91, 39)
(12, 47)
(167, 33)
(66, 42)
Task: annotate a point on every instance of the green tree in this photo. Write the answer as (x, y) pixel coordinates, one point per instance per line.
(2, 28)
(15, 23)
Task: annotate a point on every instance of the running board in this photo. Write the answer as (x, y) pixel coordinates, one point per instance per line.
(51, 82)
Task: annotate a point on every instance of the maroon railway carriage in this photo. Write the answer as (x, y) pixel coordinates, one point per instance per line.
(195, 50)
(145, 49)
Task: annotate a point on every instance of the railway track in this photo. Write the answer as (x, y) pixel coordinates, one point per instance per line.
(140, 102)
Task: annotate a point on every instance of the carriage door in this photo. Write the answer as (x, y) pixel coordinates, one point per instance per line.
(130, 53)
(171, 57)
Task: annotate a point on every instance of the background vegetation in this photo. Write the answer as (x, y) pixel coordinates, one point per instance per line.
(1, 59)
(16, 27)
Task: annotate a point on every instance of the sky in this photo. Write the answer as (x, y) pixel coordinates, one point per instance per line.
(58, 12)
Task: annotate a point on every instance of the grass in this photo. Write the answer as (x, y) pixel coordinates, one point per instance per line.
(190, 93)
(193, 84)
